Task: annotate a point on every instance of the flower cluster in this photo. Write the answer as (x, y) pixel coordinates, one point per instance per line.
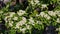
(29, 20)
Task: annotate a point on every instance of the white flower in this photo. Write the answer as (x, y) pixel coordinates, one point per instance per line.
(36, 1)
(47, 16)
(15, 18)
(20, 23)
(32, 2)
(11, 14)
(58, 13)
(42, 14)
(17, 25)
(58, 20)
(10, 23)
(7, 18)
(31, 21)
(28, 26)
(44, 6)
(51, 13)
(24, 19)
(23, 30)
(21, 12)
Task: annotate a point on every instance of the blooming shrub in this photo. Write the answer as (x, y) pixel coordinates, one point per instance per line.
(37, 17)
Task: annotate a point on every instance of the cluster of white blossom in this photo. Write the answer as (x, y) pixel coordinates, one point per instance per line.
(10, 23)
(31, 21)
(43, 14)
(12, 15)
(54, 13)
(23, 30)
(20, 23)
(44, 6)
(51, 13)
(15, 18)
(23, 20)
(8, 18)
(34, 2)
(57, 13)
(21, 12)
